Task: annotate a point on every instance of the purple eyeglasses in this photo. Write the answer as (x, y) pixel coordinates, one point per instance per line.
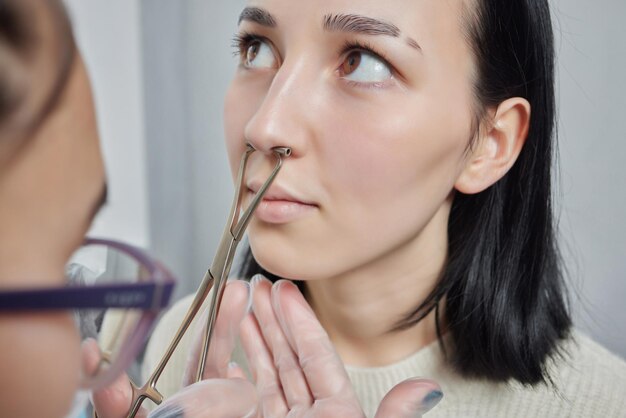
(116, 303)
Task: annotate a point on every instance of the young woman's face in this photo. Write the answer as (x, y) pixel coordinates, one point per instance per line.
(375, 99)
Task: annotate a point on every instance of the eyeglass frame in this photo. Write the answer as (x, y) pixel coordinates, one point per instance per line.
(150, 296)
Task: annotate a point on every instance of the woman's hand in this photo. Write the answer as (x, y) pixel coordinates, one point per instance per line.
(296, 369)
(226, 393)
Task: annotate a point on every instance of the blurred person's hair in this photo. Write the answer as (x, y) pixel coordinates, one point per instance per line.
(37, 50)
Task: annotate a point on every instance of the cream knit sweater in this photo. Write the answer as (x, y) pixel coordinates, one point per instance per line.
(590, 382)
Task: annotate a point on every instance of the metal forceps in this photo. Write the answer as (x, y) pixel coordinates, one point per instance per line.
(215, 277)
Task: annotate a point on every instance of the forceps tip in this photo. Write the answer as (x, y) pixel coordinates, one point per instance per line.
(284, 151)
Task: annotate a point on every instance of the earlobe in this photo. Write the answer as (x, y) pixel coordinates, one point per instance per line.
(497, 148)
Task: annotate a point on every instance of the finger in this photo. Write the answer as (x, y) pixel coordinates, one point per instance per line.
(291, 376)
(411, 398)
(322, 367)
(223, 398)
(272, 402)
(113, 401)
(234, 306)
(235, 371)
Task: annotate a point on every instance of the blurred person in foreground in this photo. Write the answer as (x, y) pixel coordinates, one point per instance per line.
(52, 183)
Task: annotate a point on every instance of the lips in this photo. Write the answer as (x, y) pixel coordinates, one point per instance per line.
(280, 205)
(278, 192)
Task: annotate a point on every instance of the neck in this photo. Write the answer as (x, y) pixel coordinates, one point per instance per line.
(361, 309)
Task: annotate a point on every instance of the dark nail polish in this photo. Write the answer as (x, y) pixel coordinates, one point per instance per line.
(168, 411)
(431, 400)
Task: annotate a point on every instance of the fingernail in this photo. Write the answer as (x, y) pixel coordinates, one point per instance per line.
(168, 411)
(249, 301)
(274, 295)
(254, 282)
(431, 400)
(256, 279)
(276, 288)
(276, 303)
(298, 297)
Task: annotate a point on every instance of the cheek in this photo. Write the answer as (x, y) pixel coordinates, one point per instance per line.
(40, 353)
(79, 179)
(380, 157)
(49, 195)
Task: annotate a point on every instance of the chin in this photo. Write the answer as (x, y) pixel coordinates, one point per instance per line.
(287, 262)
(295, 254)
(277, 264)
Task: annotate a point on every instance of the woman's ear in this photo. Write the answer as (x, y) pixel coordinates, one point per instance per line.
(497, 148)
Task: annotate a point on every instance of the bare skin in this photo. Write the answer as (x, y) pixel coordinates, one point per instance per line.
(49, 191)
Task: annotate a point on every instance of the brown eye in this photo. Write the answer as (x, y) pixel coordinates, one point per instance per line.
(351, 63)
(258, 54)
(252, 52)
(365, 67)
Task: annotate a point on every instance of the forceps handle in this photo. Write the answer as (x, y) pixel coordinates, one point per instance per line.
(149, 390)
(226, 252)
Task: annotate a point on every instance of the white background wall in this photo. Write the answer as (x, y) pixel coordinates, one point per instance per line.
(592, 90)
(108, 34)
(160, 70)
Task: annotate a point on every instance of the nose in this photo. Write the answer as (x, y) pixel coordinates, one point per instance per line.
(282, 119)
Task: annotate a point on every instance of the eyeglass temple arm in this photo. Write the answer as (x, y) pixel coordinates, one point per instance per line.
(236, 227)
(222, 263)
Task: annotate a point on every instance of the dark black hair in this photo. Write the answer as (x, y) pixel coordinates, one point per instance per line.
(21, 40)
(502, 292)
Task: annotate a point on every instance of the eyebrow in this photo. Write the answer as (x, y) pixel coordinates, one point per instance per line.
(351, 23)
(257, 15)
(365, 25)
(359, 24)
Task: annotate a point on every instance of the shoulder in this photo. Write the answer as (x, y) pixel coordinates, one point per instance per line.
(172, 377)
(168, 324)
(589, 371)
(171, 320)
(587, 381)
(584, 357)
